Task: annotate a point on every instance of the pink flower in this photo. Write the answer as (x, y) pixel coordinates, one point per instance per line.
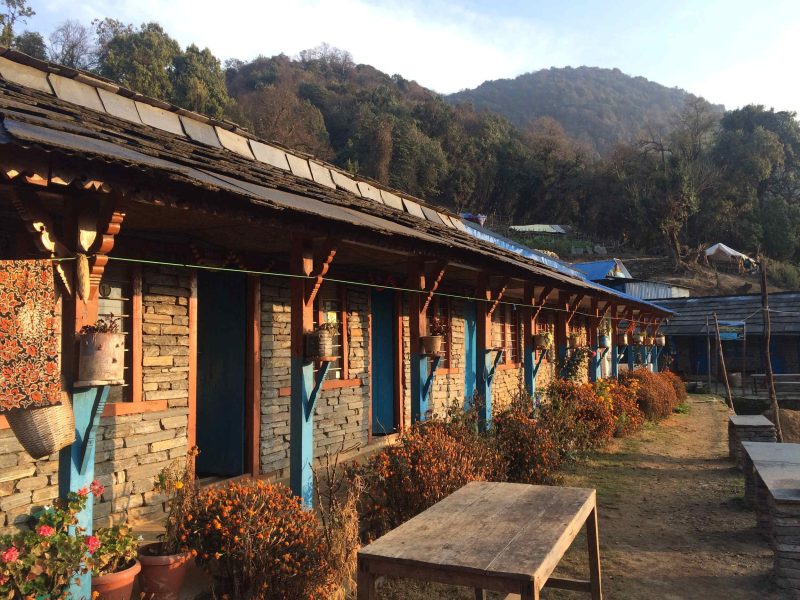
(83, 492)
(10, 555)
(45, 531)
(92, 543)
(96, 489)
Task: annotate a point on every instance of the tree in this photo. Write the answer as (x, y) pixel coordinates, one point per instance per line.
(15, 10)
(31, 43)
(199, 83)
(141, 59)
(71, 44)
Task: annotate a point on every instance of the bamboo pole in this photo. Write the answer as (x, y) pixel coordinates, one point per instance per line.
(773, 396)
(724, 369)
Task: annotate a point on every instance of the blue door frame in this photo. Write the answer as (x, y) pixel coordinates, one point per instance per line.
(470, 352)
(384, 345)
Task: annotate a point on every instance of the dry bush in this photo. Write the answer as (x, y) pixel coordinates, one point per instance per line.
(654, 395)
(429, 462)
(677, 383)
(592, 416)
(628, 417)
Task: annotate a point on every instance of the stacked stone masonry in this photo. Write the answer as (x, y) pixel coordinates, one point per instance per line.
(785, 537)
(748, 428)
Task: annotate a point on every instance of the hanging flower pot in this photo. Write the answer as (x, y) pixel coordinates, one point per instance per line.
(661, 340)
(101, 356)
(319, 343)
(431, 344)
(638, 338)
(115, 586)
(604, 341)
(162, 575)
(648, 340)
(622, 339)
(574, 341)
(45, 430)
(543, 341)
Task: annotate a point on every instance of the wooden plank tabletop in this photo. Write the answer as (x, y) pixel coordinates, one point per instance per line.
(778, 465)
(516, 531)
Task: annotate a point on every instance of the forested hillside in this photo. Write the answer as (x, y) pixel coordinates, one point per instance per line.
(600, 107)
(693, 176)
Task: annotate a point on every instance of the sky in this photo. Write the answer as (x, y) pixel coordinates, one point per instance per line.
(732, 52)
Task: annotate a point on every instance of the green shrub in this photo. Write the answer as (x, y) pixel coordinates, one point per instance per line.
(783, 275)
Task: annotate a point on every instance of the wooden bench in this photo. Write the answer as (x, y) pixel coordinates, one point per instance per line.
(783, 382)
(504, 537)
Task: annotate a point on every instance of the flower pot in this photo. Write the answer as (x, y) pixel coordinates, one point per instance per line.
(574, 342)
(638, 338)
(319, 344)
(648, 341)
(101, 359)
(45, 430)
(162, 575)
(604, 341)
(541, 341)
(622, 339)
(431, 344)
(115, 586)
(661, 340)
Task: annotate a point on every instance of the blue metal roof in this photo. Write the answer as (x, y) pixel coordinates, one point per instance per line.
(596, 270)
(487, 235)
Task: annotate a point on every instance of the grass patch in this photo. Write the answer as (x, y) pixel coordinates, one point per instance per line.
(682, 409)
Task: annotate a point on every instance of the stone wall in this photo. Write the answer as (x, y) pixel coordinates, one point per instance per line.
(130, 449)
(341, 414)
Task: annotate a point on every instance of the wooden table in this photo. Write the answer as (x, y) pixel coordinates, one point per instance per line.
(505, 537)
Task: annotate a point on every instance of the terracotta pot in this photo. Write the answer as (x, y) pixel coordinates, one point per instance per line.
(101, 359)
(604, 341)
(574, 342)
(541, 342)
(638, 338)
(431, 344)
(162, 575)
(648, 341)
(115, 586)
(622, 339)
(661, 340)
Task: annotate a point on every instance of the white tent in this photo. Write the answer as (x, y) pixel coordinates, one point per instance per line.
(720, 253)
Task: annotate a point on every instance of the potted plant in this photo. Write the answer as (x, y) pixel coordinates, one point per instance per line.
(45, 560)
(101, 354)
(574, 341)
(543, 340)
(114, 564)
(604, 334)
(622, 339)
(660, 339)
(638, 338)
(432, 344)
(319, 343)
(164, 563)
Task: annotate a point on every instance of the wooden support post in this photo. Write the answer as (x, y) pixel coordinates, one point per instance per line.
(418, 327)
(305, 387)
(615, 350)
(595, 372)
(529, 350)
(253, 369)
(562, 325)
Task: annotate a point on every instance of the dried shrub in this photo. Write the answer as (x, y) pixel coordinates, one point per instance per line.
(677, 384)
(628, 418)
(591, 413)
(259, 542)
(429, 462)
(654, 395)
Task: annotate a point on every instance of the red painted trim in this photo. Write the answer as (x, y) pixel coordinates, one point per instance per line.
(333, 384)
(253, 371)
(137, 378)
(369, 366)
(191, 432)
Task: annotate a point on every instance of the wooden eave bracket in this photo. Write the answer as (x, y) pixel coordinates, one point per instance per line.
(496, 296)
(440, 268)
(319, 267)
(577, 305)
(542, 299)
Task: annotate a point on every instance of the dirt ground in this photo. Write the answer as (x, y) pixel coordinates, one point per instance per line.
(672, 521)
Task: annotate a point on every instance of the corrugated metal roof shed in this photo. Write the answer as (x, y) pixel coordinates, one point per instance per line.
(690, 313)
(541, 228)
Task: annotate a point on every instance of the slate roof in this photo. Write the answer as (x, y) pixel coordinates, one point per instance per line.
(78, 114)
(690, 313)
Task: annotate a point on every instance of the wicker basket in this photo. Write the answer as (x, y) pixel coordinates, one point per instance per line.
(45, 430)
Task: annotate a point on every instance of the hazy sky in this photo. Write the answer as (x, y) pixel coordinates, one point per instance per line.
(730, 51)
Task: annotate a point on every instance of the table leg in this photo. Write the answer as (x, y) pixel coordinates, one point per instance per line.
(593, 539)
(366, 583)
(480, 594)
(530, 591)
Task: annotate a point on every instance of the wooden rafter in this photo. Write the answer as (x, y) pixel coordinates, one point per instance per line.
(577, 304)
(439, 270)
(497, 295)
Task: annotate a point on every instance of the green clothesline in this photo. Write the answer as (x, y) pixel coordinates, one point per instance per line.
(161, 263)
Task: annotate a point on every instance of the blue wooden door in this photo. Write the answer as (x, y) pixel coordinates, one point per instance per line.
(221, 308)
(777, 354)
(470, 350)
(384, 344)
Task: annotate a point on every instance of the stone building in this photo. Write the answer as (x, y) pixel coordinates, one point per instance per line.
(220, 252)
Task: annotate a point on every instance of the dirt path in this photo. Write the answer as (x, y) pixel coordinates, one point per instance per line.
(672, 522)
